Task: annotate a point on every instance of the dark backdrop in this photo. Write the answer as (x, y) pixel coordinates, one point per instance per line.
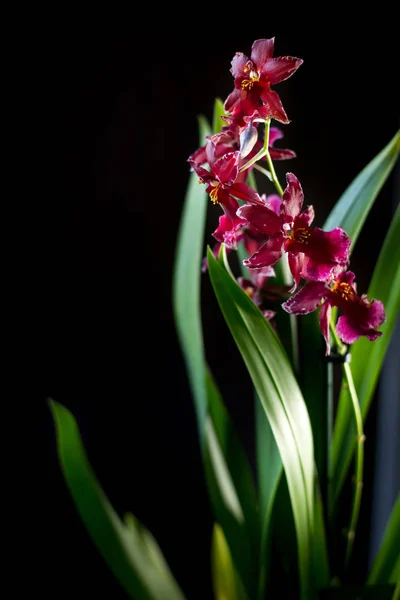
(117, 101)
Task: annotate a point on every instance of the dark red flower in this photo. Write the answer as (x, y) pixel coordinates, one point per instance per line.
(223, 188)
(255, 75)
(360, 316)
(312, 253)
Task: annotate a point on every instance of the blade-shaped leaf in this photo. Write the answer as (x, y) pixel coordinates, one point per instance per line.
(129, 550)
(186, 288)
(367, 357)
(227, 471)
(353, 206)
(385, 568)
(226, 582)
(219, 112)
(280, 395)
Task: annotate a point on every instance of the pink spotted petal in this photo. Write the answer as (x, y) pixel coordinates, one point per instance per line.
(261, 218)
(274, 106)
(261, 276)
(281, 153)
(274, 134)
(307, 299)
(347, 277)
(324, 318)
(261, 50)
(245, 192)
(361, 319)
(239, 62)
(199, 156)
(226, 168)
(203, 174)
(336, 244)
(229, 231)
(293, 197)
(232, 100)
(296, 265)
(326, 251)
(278, 69)
(267, 255)
(273, 201)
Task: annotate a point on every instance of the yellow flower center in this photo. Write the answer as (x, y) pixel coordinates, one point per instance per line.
(253, 77)
(214, 194)
(300, 235)
(344, 290)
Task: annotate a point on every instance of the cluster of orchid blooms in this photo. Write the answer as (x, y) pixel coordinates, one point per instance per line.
(270, 226)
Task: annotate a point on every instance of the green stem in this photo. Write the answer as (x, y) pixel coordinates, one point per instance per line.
(396, 594)
(329, 426)
(359, 459)
(260, 153)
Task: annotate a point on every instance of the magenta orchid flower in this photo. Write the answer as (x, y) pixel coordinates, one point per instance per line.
(223, 188)
(255, 75)
(312, 253)
(360, 318)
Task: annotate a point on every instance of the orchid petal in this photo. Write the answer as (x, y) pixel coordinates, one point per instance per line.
(226, 168)
(239, 62)
(273, 201)
(296, 264)
(293, 197)
(307, 299)
(324, 318)
(278, 69)
(232, 100)
(268, 254)
(261, 218)
(274, 106)
(245, 192)
(261, 50)
(274, 134)
(281, 153)
(203, 174)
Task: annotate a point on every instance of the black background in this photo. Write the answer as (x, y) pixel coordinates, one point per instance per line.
(117, 99)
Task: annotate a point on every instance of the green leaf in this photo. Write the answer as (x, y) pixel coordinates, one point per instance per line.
(282, 401)
(227, 472)
(367, 357)
(353, 206)
(269, 469)
(226, 582)
(130, 550)
(386, 565)
(219, 112)
(186, 288)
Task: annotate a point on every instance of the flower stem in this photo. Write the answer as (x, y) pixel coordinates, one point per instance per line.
(271, 167)
(359, 459)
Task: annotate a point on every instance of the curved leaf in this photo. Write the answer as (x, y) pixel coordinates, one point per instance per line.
(226, 583)
(353, 206)
(386, 566)
(129, 550)
(219, 112)
(367, 357)
(281, 398)
(186, 288)
(227, 471)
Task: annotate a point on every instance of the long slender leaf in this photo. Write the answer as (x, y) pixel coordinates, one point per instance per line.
(353, 206)
(281, 398)
(130, 550)
(219, 112)
(228, 474)
(386, 566)
(186, 289)
(226, 582)
(367, 357)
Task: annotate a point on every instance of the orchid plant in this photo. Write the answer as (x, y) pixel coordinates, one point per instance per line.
(278, 529)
